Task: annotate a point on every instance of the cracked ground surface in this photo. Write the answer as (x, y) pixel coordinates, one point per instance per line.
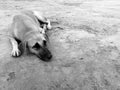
(84, 41)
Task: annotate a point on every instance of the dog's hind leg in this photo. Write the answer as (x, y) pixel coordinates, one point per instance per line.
(43, 20)
(15, 50)
(48, 26)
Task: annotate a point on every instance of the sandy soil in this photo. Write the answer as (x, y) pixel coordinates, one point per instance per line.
(85, 42)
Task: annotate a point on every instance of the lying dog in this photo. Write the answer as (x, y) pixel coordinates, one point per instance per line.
(29, 30)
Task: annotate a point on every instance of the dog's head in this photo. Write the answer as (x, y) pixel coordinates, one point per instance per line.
(38, 46)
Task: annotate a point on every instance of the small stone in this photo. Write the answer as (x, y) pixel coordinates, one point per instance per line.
(11, 76)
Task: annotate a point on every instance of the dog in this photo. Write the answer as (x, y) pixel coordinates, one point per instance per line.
(28, 30)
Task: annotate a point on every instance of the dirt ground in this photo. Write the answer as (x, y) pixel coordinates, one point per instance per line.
(84, 41)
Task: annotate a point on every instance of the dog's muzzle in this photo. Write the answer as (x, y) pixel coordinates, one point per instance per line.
(45, 54)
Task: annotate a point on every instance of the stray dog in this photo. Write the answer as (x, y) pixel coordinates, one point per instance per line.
(29, 30)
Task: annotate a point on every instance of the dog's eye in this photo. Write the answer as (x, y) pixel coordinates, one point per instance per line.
(36, 46)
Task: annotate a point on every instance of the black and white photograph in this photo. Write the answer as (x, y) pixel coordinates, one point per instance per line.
(59, 44)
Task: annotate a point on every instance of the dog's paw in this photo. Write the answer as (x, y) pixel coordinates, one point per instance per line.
(15, 53)
(48, 25)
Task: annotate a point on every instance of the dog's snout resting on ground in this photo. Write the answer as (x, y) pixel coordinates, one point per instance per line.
(29, 30)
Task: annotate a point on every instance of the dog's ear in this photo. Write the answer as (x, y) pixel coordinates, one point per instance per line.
(36, 46)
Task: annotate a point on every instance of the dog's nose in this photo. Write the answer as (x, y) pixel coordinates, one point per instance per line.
(50, 56)
(47, 59)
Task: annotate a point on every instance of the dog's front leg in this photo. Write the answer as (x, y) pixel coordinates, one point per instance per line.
(15, 51)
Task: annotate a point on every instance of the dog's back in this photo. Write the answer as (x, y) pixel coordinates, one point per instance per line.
(23, 24)
(30, 14)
